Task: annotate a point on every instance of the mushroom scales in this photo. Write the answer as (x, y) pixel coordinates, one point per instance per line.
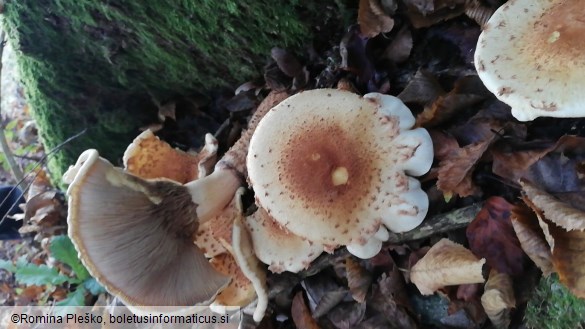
(530, 55)
(331, 167)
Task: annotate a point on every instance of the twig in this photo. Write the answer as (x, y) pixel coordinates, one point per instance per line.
(442, 223)
(16, 171)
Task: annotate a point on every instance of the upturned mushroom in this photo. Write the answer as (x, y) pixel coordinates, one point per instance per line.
(333, 168)
(530, 55)
(135, 235)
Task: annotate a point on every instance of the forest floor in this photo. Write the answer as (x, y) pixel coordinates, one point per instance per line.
(422, 54)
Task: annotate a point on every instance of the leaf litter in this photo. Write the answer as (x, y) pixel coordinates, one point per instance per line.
(527, 178)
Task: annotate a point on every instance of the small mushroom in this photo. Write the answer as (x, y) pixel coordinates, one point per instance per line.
(277, 247)
(331, 166)
(135, 235)
(530, 55)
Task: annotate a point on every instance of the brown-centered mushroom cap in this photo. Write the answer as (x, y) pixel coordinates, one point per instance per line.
(530, 55)
(135, 235)
(330, 166)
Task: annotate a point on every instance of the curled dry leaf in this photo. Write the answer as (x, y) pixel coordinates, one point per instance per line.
(498, 299)
(301, 314)
(492, 237)
(359, 279)
(372, 18)
(455, 171)
(568, 249)
(532, 238)
(468, 90)
(446, 263)
(555, 210)
(422, 89)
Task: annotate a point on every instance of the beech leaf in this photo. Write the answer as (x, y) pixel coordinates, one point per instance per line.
(301, 314)
(372, 18)
(492, 236)
(498, 299)
(532, 238)
(446, 263)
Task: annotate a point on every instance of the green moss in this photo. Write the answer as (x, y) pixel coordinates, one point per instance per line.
(553, 307)
(97, 65)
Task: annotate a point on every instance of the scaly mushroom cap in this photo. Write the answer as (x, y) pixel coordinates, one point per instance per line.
(330, 166)
(135, 235)
(149, 157)
(277, 247)
(530, 55)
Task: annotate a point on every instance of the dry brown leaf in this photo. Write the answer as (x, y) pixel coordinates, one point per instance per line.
(359, 279)
(399, 49)
(446, 263)
(532, 238)
(372, 18)
(498, 299)
(422, 89)
(568, 256)
(429, 12)
(554, 209)
(301, 314)
(492, 237)
(455, 171)
(467, 91)
(443, 144)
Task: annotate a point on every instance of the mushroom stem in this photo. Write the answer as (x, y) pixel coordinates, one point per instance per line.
(212, 193)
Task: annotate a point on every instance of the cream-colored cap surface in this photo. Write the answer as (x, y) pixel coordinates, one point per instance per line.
(530, 55)
(330, 166)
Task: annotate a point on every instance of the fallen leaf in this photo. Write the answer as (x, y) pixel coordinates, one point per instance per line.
(467, 292)
(400, 48)
(553, 209)
(347, 315)
(447, 263)
(455, 171)
(390, 298)
(372, 18)
(359, 279)
(424, 13)
(421, 89)
(443, 144)
(492, 236)
(568, 250)
(167, 111)
(498, 299)
(354, 57)
(532, 239)
(300, 313)
(467, 91)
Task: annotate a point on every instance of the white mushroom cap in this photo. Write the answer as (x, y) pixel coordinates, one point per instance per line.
(530, 55)
(330, 166)
(135, 235)
(279, 248)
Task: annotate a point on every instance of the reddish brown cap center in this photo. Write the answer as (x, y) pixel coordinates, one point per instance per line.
(323, 165)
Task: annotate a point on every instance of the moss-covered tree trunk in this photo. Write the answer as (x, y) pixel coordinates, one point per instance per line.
(101, 65)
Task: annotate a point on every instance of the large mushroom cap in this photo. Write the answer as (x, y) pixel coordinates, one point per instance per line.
(530, 55)
(330, 165)
(135, 236)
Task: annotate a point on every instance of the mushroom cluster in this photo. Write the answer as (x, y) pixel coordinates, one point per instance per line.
(329, 168)
(530, 56)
